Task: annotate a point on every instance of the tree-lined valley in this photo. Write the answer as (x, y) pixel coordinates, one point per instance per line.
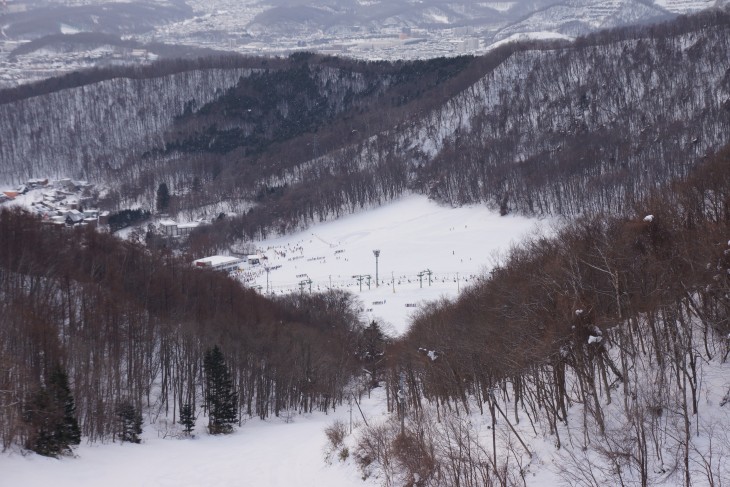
(601, 344)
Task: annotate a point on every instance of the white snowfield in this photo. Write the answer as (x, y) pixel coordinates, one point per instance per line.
(413, 234)
(270, 453)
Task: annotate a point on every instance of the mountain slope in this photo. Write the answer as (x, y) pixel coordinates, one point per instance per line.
(525, 128)
(109, 18)
(616, 117)
(89, 131)
(600, 355)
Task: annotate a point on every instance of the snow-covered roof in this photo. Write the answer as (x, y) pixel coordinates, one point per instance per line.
(189, 225)
(167, 223)
(216, 260)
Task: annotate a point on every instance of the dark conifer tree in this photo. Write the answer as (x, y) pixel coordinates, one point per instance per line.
(163, 198)
(219, 396)
(39, 414)
(372, 350)
(130, 422)
(187, 417)
(67, 428)
(52, 416)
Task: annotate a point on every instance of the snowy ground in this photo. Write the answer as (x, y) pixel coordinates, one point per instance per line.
(413, 235)
(273, 453)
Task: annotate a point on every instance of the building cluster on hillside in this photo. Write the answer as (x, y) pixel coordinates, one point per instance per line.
(63, 202)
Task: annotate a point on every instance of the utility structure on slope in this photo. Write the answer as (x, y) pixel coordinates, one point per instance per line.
(376, 253)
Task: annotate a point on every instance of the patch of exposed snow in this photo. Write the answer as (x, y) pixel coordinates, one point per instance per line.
(68, 29)
(530, 36)
(498, 6)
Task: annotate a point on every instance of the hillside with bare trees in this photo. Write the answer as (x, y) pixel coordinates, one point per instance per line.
(131, 329)
(604, 341)
(536, 128)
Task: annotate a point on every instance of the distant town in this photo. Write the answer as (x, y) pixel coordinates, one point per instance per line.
(62, 202)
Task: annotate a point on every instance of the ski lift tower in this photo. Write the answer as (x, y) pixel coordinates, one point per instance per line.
(376, 253)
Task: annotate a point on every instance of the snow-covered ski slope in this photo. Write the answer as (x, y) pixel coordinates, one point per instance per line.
(413, 234)
(274, 453)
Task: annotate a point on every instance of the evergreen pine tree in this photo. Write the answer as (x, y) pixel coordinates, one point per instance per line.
(187, 417)
(163, 197)
(67, 428)
(220, 396)
(51, 414)
(372, 350)
(130, 422)
(39, 413)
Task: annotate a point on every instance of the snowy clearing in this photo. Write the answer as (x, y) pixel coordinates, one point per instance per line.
(414, 236)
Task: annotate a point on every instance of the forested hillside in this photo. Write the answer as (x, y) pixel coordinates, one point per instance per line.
(132, 332)
(548, 130)
(590, 128)
(610, 340)
(537, 128)
(90, 131)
